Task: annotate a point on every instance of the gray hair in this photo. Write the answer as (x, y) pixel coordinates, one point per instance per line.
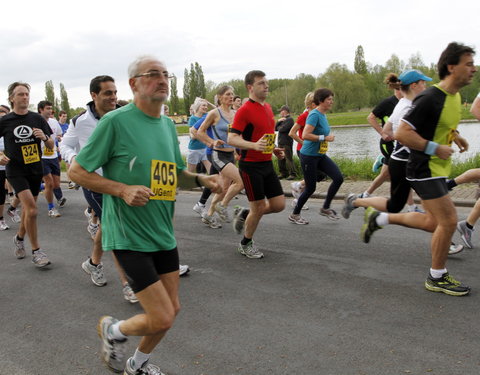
(133, 68)
(197, 103)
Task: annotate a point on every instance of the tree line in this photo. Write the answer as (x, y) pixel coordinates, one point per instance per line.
(360, 88)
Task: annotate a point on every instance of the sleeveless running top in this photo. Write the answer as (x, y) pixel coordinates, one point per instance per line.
(220, 130)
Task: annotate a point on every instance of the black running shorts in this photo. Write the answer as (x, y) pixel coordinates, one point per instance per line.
(142, 268)
(259, 180)
(21, 183)
(430, 189)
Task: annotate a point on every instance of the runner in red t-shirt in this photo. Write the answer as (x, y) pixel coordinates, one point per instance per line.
(253, 131)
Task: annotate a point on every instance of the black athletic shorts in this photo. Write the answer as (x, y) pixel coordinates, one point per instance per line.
(21, 183)
(259, 180)
(220, 159)
(51, 166)
(94, 200)
(386, 148)
(430, 189)
(142, 268)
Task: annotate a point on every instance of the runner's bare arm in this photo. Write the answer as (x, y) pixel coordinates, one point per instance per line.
(236, 140)
(190, 180)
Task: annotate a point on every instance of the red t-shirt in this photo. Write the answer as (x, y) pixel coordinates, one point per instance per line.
(254, 120)
(301, 120)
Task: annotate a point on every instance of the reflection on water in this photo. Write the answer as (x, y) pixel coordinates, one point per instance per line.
(359, 142)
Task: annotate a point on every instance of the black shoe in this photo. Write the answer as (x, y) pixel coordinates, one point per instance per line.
(446, 284)
(370, 224)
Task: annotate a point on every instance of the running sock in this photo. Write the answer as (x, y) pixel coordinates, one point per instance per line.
(436, 274)
(382, 219)
(115, 333)
(51, 206)
(1, 218)
(139, 359)
(245, 241)
(20, 238)
(411, 207)
(11, 208)
(58, 193)
(93, 264)
(468, 225)
(35, 250)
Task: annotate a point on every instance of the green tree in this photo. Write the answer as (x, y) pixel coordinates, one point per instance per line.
(174, 102)
(186, 91)
(394, 64)
(64, 104)
(349, 87)
(359, 64)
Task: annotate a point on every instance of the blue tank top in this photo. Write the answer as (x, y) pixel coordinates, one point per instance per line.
(220, 130)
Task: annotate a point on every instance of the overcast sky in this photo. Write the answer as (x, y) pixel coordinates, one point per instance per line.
(71, 42)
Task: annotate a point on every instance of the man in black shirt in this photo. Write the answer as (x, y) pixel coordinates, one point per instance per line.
(23, 132)
(283, 126)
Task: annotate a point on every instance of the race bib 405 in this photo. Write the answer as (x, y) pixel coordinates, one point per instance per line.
(163, 180)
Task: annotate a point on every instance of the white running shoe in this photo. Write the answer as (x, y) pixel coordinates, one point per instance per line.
(199, 208)
(39, 258)
(297, 189)
(92, 229)
(19, 248)
(455, 249)
(96, 273)
(128, 294)
(3, 225)
(211, 221)
(222, 212)
(113, 351)
(54, 213)
(183, 269)
(250, 250)
(297, 219)
(14, 215)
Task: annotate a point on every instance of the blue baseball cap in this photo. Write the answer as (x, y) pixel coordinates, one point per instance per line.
(412, 75)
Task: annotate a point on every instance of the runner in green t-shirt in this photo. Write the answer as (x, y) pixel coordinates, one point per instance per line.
(138, 151)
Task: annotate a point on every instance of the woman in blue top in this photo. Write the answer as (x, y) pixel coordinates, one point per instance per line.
(223, 157)
(196, 149)
(313, 156)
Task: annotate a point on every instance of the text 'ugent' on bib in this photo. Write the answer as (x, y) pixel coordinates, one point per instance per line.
(163, 180)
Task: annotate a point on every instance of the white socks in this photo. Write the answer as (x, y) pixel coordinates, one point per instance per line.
(437, 273)
(139, 359)
(115, 333)
(382, 219)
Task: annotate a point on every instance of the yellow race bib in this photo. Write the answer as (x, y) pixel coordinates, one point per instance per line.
(163, 180)
(30, 153)
(270, 143)
(322, 149)
(48, 151)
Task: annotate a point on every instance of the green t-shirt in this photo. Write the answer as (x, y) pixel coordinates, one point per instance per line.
(136, 149)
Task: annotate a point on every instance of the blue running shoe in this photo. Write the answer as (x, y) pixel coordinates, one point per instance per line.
(378, 163)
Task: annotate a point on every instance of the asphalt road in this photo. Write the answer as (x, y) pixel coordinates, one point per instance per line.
(320, 302)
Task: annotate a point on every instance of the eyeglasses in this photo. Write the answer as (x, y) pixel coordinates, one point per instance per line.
(155, 74)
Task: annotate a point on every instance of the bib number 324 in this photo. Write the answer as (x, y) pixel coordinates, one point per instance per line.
(163, 180)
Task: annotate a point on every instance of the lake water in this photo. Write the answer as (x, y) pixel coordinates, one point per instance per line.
(361, 141)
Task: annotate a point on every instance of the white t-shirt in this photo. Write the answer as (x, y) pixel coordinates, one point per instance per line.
(399, 111)
(56, 130)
